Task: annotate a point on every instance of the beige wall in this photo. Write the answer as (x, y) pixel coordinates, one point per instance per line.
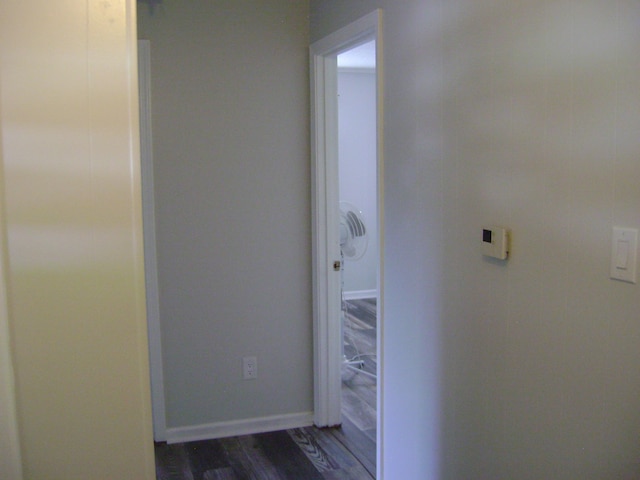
(541, 117)
(524, 114)
(72, 216)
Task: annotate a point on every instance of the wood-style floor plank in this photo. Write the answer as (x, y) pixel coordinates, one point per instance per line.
(347, 465)
(289, 460)
(357, 411)
(354, 473)
(359, 333)
(220, 474)
(246, 459)
(205, 456)
(362, 388)
(172, 462)
(358, 443)
(310, 446)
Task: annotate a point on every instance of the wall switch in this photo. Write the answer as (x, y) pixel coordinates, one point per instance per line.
(249, 368)
(624, 247)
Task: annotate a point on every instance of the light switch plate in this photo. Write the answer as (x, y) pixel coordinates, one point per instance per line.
(624, 248)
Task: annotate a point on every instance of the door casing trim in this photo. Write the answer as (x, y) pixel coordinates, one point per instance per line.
(325, 219)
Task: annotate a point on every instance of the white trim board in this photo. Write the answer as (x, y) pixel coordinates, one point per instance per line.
(150, 258)
(234, 428)
(360, 294)
(363, 70)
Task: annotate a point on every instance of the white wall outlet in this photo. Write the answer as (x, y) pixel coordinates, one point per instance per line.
(249, 368)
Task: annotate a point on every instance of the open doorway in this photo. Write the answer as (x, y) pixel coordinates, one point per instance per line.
(333, 273)
(358, 203)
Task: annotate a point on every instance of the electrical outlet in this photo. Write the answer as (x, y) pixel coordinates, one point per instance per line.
(250, 368)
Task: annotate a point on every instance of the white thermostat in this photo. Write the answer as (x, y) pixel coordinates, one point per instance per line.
(495, 242)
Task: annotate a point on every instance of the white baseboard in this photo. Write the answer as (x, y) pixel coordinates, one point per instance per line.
(360, 294)
(239, 427)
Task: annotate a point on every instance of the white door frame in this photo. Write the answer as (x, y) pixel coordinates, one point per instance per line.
(325, 215)
(150, 257)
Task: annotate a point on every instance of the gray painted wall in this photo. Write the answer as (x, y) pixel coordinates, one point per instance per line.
(231, 158)
(358, 174)
(524, 114)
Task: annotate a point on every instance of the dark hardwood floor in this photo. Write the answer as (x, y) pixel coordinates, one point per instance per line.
(302, 453)
(359, 385)
(359, 333)
(344, 453)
